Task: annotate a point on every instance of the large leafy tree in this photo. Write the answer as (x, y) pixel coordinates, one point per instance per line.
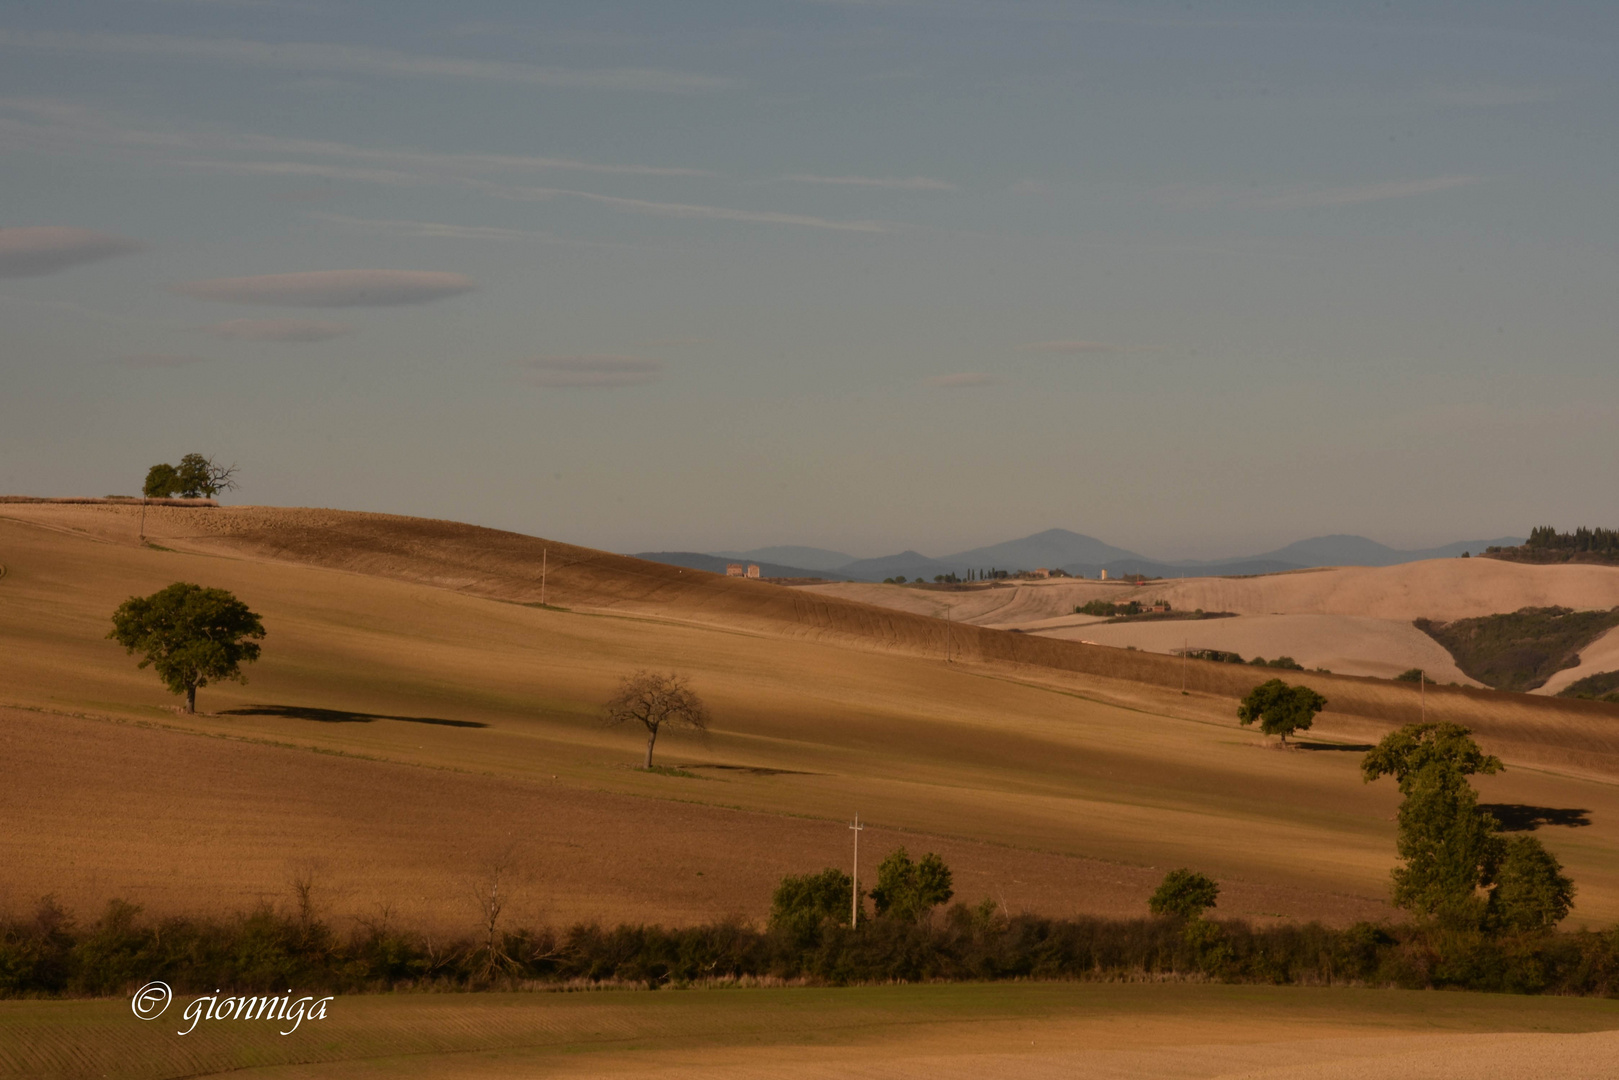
(1279, 708)
(1450, 848)
(196, 477)
(162, 481)
(191, 635)
(652, 700)
(908, 889)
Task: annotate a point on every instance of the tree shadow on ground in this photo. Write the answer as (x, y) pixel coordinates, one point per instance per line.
(752, 770)
(1517, 817)
(342, 716)
(1356, 748)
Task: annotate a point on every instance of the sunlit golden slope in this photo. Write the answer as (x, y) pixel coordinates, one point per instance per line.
(409, 642)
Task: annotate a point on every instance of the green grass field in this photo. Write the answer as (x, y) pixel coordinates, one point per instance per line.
(756, 1031)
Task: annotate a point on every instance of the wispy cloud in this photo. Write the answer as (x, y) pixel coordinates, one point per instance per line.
(962, 379)
(592, 370)
(1070, 348)
(689, 210)
(161, 360)
(361, 60)
(907, 183)
(389, 166)
(55, 122)
(296, 330)
(429, 230)
(333, 288)
(45, 249)
(1363, 193)
(1301, 196)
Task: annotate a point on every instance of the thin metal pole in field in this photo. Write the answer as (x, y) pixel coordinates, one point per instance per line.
(854, 888)
(545, 557)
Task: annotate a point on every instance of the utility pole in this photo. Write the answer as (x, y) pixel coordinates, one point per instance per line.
(854, 888)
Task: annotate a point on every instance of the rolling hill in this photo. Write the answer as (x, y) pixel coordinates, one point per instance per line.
(451, 715)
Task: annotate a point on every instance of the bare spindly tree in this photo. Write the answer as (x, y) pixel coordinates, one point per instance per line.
(652, 700)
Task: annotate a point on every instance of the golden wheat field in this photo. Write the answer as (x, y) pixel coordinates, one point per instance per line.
(455, 721)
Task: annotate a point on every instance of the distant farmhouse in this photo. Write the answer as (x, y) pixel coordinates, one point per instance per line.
(737, 569)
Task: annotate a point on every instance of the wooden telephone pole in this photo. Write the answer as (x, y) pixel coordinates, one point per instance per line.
(854, 887)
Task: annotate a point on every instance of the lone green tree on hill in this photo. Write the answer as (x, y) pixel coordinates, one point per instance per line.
(196, 477)
(1457, 867)
(1279, 708)
(652, 699)
(191, 635)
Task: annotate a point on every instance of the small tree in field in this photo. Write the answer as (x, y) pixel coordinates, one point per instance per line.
(1184, 894)
(191, 635)
(652, 700)
(1280, 709)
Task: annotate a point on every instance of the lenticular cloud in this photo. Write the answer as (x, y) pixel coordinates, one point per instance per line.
(45, 249)
(333, 288)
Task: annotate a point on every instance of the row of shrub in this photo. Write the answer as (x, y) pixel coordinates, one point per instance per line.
(48, 955)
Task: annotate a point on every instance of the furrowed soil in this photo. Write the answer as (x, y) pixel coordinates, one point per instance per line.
(1005, 1030)
(416, 714)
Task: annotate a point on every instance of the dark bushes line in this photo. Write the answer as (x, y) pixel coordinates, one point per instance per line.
(268, 952)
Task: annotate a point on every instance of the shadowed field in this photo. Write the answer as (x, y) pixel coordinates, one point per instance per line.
(457, 720)
(1021, 1030)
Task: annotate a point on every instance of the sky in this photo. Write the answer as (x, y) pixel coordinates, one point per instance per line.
(1197, 279)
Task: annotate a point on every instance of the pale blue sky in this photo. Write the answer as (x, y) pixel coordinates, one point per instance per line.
(1196, 279)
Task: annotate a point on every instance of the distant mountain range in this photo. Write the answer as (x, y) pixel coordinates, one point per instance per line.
(1069, 551)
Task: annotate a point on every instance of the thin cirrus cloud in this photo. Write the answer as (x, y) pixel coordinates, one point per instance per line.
(592, 370)
(1303, 196)
(962, 380)
(899, 183)
(333, 288)
(361, 60)
(35, 251)
(429, 230)
(688, 210)
(293, 330)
